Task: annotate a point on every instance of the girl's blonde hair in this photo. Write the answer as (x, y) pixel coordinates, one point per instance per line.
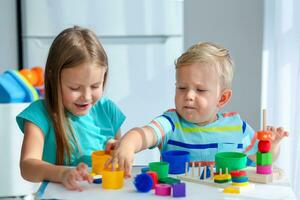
(212, 54)
(72, 47)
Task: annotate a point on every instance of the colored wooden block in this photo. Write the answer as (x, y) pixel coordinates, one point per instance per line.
(264, 169)
(154, 177)
(263, 158)
(264, 146)
(162, 190)
(145, 169)
(169, 180)
(178, 190)
(264, 135)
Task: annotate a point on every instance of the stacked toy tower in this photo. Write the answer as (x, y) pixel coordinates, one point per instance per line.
(264, 156)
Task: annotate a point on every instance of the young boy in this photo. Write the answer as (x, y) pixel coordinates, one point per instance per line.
(203, 86)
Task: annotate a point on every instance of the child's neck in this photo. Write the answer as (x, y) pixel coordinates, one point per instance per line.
(215, 118)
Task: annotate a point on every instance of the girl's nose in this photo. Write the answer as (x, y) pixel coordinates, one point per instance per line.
(86, 95)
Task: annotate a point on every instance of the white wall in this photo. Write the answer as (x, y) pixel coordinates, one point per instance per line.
(238, 26)
(8, 35)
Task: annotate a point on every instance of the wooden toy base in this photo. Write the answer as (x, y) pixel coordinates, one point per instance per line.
(264, 178)
(210, 182)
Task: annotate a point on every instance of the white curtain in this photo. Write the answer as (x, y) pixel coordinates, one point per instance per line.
(281, 79)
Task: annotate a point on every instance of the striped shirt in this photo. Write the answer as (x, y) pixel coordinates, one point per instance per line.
(228, 133)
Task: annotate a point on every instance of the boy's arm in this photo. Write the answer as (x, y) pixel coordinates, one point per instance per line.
(135, 140)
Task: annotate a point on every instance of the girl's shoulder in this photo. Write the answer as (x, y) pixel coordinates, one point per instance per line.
(36, 113)
(37, 107)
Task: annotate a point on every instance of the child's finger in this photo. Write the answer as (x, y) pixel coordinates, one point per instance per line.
(114, 163)
(74, 185)
(108, 162)
(121, 164)
(108, 146)
(81, 167)
(127, 169)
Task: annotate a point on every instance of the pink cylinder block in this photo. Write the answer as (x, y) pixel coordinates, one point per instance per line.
(264, 169)
(163, 190)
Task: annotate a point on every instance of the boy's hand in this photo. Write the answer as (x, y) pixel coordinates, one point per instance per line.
(277, 134)
(71, 177)
(123, 157)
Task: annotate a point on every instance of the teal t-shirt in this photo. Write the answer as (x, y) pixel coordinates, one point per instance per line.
(92, 131)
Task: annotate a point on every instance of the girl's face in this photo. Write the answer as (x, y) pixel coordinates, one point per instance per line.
(197, 93)
(81, 87)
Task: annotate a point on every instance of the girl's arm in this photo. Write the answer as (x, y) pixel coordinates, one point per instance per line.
(135, 140)
(34, 169)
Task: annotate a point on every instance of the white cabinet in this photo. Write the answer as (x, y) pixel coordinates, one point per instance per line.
(11, 182)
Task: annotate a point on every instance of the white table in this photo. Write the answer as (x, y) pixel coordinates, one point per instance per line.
(277, 190)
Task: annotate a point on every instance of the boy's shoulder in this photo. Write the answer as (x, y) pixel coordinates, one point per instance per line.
(228, 116)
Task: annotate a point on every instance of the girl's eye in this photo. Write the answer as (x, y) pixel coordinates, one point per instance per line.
(95, 86)
(74, 88)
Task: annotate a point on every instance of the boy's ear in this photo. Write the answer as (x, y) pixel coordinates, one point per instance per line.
(225, 97)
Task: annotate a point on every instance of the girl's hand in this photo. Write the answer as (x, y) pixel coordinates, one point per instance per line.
(277, 134)
(71, 177)
(111, 144)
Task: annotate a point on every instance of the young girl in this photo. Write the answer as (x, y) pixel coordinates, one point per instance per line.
(74, 119)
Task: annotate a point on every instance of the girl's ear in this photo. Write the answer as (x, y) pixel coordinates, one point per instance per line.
(225, 97)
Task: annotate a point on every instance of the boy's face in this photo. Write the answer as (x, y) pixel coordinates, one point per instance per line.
(81, 87)
(198, 93)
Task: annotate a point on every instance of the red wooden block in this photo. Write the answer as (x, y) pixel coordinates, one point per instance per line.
(154, 178)
(264, 146)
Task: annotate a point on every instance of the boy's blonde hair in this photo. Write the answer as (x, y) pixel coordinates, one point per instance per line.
(210, 53)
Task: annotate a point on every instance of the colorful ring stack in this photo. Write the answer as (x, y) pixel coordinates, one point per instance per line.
(222, 178)
(239, 178)
(264, 156)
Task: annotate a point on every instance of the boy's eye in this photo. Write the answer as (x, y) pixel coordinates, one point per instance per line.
(201, 90)
(181, 88)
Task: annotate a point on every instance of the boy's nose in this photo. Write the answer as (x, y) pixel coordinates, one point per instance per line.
(190, 95)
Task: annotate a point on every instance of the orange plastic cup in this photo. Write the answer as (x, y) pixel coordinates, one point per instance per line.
(99, 159)
(112, 179)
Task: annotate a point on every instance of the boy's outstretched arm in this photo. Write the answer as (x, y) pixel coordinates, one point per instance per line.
(135, 140)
